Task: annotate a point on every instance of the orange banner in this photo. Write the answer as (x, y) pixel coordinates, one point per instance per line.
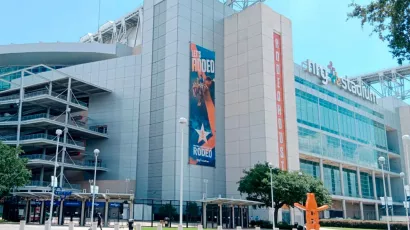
(280, 105)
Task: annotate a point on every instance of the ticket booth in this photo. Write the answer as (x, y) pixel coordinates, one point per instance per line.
(99, 207)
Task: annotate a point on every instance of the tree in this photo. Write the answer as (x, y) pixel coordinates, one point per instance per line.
(390, 20)
(167, 210)
(13, 171)
(288, 187)
(192, 210)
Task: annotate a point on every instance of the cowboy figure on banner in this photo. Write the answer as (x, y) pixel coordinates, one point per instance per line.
(199, 89)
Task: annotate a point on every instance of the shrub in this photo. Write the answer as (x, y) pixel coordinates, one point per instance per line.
(369, 224)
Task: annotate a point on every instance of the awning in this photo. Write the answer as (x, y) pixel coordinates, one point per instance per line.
(230, 201)
(75, 195)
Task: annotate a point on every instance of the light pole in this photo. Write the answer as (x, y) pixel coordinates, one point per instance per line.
(127, 180)
(206, 189)
(54, 180)
(402, 175)
(382, 160)
(182, 122)
(271, 194)
(96, 152)
(406, 139)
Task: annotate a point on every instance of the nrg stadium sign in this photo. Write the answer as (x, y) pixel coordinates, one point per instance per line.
(329, 74)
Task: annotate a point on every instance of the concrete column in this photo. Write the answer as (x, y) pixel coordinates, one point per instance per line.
(376, 206)
(342, 185)
(106, 214)
(361, 211)
(48, 112)
(359, 182)
(390, 192)
(344, 209)
(42, 212)
(220, 215)
(233, 216)
(322, 174)
(131, 209)
(292, 215)
(42, 175)
(82, 217)
(374, 186)
(242, 217)
(204, 219)
(27, 213)
(50, 87)
(60, 219)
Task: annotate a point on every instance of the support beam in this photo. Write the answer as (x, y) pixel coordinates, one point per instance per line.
(374, 185)
(359, 184)
(361, 211)
(322, 174)
(61, 217)
(42, 212)
(233, 216)
(390, 192)
(82, 217)
(342, 185)
(27, 213)
(344, 209)
(67, 112)
(376, 207)
(220, 215)
(204, 219)
(106, 214)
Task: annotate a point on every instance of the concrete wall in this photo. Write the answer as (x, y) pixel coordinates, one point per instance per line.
(165, 58)
(250, 101)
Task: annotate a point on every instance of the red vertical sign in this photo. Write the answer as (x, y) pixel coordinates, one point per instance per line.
(280, 105)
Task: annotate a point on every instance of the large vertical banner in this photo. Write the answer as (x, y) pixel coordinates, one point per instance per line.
(280, 105)
(202, 123)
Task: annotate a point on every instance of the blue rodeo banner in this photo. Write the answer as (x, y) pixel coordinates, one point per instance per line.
(202, 120)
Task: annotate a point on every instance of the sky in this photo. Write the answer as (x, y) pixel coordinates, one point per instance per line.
(320, 30)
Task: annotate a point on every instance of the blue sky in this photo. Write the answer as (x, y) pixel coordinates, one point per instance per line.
(320, 30)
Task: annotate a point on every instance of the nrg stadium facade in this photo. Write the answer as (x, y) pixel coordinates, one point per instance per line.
(231, 73)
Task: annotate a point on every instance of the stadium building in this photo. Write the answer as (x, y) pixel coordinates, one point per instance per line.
(228, 68)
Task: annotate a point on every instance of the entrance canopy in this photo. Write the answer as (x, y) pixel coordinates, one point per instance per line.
(74, 195)
(230, 201)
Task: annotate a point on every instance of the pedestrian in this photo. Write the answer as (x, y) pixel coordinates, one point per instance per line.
(99, 218)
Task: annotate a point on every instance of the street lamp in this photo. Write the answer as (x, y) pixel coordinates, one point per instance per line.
(96, 152)
(54, 180)
(271, 194)
(406, 139)
(382, 161)
(182, 122)
(402, 175)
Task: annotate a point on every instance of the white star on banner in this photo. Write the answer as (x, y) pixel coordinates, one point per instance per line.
(202, 134)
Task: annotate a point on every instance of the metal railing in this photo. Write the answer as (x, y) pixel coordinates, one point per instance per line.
(54, 94)
(94, 128)
(10, 97)
(85, 162)
(39, 136)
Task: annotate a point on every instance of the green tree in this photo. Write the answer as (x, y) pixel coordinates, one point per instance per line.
(192, 210)
(288, 187)
(390, 21)
(167, 210)
(13, 171)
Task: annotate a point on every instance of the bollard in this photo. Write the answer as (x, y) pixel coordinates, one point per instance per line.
(180, 227)
(138, 227)
(200, 227)
(22, 224)
(238, 228)
(220, 228)
(257, 228)
(94, 226)
(46, 227)
(71, 225)
(116, 226)
(159, 226)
